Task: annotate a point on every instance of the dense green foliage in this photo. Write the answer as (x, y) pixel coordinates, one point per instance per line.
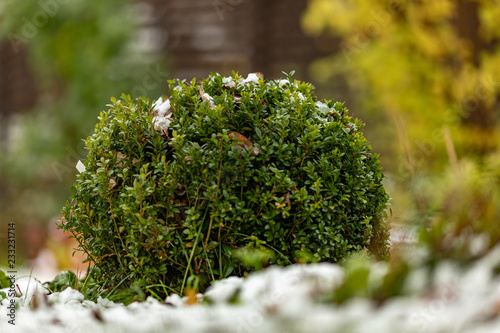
(246, 166)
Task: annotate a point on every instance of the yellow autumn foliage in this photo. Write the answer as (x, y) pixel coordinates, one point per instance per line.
(429, 65)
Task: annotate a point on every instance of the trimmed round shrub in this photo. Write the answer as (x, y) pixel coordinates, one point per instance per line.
(221, 177)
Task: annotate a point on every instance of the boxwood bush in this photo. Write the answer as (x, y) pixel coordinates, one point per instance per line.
(222, 173)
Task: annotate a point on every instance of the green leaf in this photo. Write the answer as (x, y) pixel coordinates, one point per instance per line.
(5, 281)
(62, 281)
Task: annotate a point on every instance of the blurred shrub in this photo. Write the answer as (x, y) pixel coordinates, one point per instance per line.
(171, 189)
(81, 52)
(425, 63)
(462, 227)
(467, 210)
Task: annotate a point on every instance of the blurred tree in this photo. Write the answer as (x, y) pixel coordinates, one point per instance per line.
(81, 54)
(430, 64)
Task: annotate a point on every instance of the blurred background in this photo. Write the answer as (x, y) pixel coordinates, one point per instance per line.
(423, 75)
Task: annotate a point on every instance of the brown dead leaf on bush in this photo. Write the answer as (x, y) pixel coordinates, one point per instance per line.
(120, 157)
(243, 142)
(287, 199)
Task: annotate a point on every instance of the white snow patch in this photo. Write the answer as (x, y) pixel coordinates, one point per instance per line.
(223, 290)
(283, 299)
(209, 99)
(282, 83)
(162, 124)
(300, 97)
(80, 166)
(67, 296)
(161, 120)
(251, 78)
(323, 108)
(162, 107)
(229, 82)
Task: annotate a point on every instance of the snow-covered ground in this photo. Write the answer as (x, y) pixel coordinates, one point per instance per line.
(279, 299)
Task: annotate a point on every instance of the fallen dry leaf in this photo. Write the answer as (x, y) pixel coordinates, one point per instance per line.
(191, 296)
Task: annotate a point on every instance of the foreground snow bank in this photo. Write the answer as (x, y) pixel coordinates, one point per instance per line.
(279, 299)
